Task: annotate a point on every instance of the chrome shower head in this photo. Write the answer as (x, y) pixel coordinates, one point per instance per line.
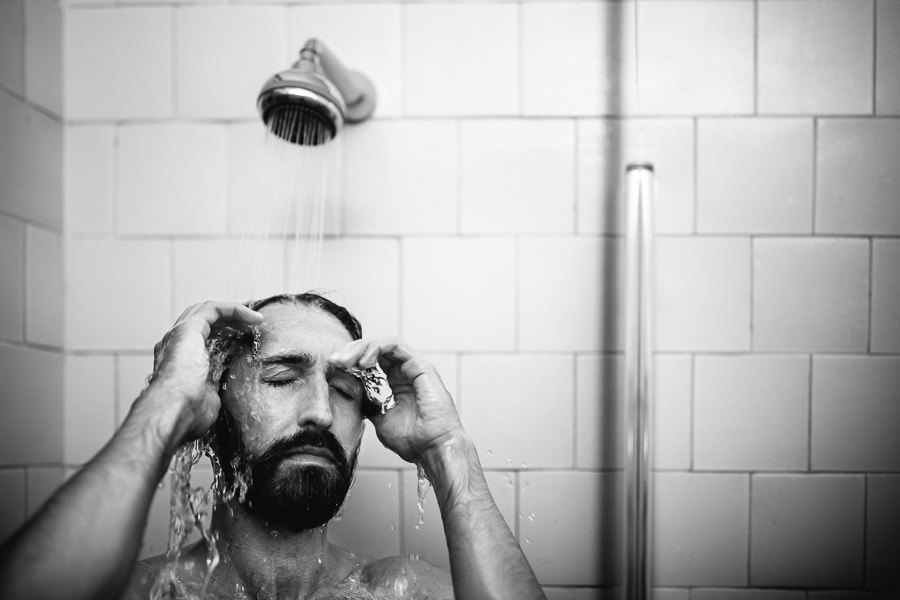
(309, 103)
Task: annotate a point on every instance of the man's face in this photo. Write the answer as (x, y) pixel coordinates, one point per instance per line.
(298, 419)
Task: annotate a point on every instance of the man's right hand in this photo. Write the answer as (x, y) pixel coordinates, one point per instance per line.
(181, 371)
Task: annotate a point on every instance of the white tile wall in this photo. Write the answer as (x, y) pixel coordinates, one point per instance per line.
(857, 177)
(190, 198)
(606, 146)
(815, 57)
(597, 390)
(223, 57)
(755, 175)
(885, 332)
(400, 177)
(31, 431)
(12, 45)
(12, 500)
(703, 294)
(517, 176)
(564, 526)
(887, 56)
(118, 63)
(458, 293)
(118, 294)
(12, 272)
(799, 540)
(791, 277)
(673, 428)
(575, 57)
(30, 163)
(568, 293)
(461, 59)
(533, 391)
(365, 37)
(371, 515)
(882, 532)
(855, 413)
(132, 372)
(701, 529)
(43, 54)
(43, 287)
(751, 413)
(695, 57)
(88, 178)
(88, 406)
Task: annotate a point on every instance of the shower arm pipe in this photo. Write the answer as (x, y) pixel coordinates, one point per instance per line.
(638, 402)
(356, 89)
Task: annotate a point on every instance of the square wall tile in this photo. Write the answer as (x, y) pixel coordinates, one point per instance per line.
(564, 533)
(104, 51)
(598, 393)
(568, 294)
(807, 530)
(232, 50)
(400, 177)
(371, 294)
(365, 37)
(43, 54)
(89, 406)
(428, 540)
(42, 483)
(470, 279)
(171, 179)
(857, 177)
(517, 176)
(43, 287)
(538, 390)
(369, 520)
(751, 413)
(815, 56)
(118, 294)
(887, 57)
(701, 529)
(132, 372)
(12, 273)
(810, 294)
(275, 187)
(572, 43)
(88, 178)
(702, 294)
(446, 77)
(12, 45)
(674, 387)
(12, 501)
(885, 332)
(855, 413)
(883, 532)
(31, 167)
(695, 57)
(31, 430)
(605, 147)
(226, 270)
(755, 175)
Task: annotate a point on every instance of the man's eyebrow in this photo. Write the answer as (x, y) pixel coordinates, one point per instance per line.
(302, 359)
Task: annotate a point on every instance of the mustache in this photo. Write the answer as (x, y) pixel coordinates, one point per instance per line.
(317, 438)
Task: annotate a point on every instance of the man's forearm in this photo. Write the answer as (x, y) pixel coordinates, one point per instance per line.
(84, 541)
(485, 559)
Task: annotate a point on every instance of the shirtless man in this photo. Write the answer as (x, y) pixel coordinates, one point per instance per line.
(295, 416)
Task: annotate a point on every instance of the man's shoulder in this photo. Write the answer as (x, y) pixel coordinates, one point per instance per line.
(408, 575)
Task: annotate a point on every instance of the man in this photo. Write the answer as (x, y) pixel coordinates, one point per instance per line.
(292, 413)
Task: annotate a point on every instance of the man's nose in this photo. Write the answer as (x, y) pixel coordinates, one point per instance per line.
(314, 405)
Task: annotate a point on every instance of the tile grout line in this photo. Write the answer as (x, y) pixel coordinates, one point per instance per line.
(874, 98)
(756, 57)
(809, 412)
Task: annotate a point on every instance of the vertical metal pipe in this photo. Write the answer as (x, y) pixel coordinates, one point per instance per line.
(639, 189)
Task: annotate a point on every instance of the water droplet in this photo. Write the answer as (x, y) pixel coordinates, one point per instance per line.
(161, 485)
(527, 540)
(413, 556)
(510, 461)
(531, 517)
(274, 533)
(490, 452)
(521, 516)
(421, 490)
(390, 484)
(393, 527)
(319, 559)
(524, 465)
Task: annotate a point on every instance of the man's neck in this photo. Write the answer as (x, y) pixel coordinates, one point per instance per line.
(270, 561)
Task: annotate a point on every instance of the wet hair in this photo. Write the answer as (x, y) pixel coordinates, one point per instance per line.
(350, 323)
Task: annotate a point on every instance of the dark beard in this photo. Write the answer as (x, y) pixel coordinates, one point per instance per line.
(300, 498)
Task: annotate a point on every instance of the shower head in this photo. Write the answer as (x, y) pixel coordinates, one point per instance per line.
(309, 103)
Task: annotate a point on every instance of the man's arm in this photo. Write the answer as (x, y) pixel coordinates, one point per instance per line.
(84, 541)
(486, 561)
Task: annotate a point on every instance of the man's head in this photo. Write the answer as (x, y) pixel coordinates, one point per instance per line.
(289, 419)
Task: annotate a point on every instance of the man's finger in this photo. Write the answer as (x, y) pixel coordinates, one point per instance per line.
(206, 314)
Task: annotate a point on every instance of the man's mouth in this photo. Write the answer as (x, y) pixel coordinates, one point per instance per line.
(312, 451)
